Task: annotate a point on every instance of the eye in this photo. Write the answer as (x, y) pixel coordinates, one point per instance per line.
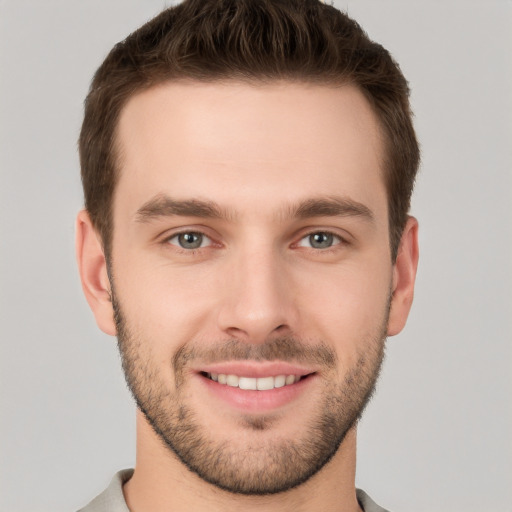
(320, 240)
(190, 240)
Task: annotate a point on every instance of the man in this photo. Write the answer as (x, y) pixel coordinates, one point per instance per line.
(247, 169)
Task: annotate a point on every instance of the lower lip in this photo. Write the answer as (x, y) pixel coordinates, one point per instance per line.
(257, 401)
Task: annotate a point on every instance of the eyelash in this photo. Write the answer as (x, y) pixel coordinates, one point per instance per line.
(340, 241)
(183, 250)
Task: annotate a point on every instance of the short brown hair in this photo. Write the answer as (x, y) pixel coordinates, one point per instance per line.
(250, 40)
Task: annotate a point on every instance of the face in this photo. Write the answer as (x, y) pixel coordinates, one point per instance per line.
(251, 273)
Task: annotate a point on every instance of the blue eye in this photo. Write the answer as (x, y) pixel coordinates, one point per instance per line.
(320, 240)
(190, 240)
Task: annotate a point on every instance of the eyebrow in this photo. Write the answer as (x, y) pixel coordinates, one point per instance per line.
(165, 206)
(331, 206)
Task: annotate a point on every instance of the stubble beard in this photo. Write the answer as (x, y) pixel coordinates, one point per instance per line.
(264, 465)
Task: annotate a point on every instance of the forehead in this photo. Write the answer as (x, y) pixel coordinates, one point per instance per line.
(249, 144)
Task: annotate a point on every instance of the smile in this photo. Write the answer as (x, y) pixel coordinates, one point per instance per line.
(256, 387)
(254, 383)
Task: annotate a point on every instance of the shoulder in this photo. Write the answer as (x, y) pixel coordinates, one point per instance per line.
(366, 503)
(112, 498)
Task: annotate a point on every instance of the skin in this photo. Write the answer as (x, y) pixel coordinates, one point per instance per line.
(257, 151)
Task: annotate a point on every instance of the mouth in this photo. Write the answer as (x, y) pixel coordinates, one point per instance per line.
(254, 383)
(257, 387)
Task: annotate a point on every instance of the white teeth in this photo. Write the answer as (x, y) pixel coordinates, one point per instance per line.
(232, 380)
(279, 381)
(290, 379)
(265, 383)
(247, 383)
(253, 383)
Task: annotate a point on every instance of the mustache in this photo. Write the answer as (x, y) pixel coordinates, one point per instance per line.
(288, 349)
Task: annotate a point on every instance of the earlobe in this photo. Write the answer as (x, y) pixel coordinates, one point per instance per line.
(404, 276)
(92, 266)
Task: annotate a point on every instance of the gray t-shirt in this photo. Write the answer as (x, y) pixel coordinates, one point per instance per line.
(112, 499)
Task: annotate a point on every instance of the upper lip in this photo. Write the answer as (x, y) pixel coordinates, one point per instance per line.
(255, 369)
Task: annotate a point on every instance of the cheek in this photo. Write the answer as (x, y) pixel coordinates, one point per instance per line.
(347, 306)
(164, 303)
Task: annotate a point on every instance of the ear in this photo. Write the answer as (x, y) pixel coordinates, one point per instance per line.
(404, 275)
(92, 266)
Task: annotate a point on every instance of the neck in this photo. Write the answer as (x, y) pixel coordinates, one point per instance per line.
(161, 483)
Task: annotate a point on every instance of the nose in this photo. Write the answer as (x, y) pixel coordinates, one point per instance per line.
(257, 299)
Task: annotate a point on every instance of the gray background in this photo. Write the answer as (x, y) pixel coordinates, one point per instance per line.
(437, 437)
